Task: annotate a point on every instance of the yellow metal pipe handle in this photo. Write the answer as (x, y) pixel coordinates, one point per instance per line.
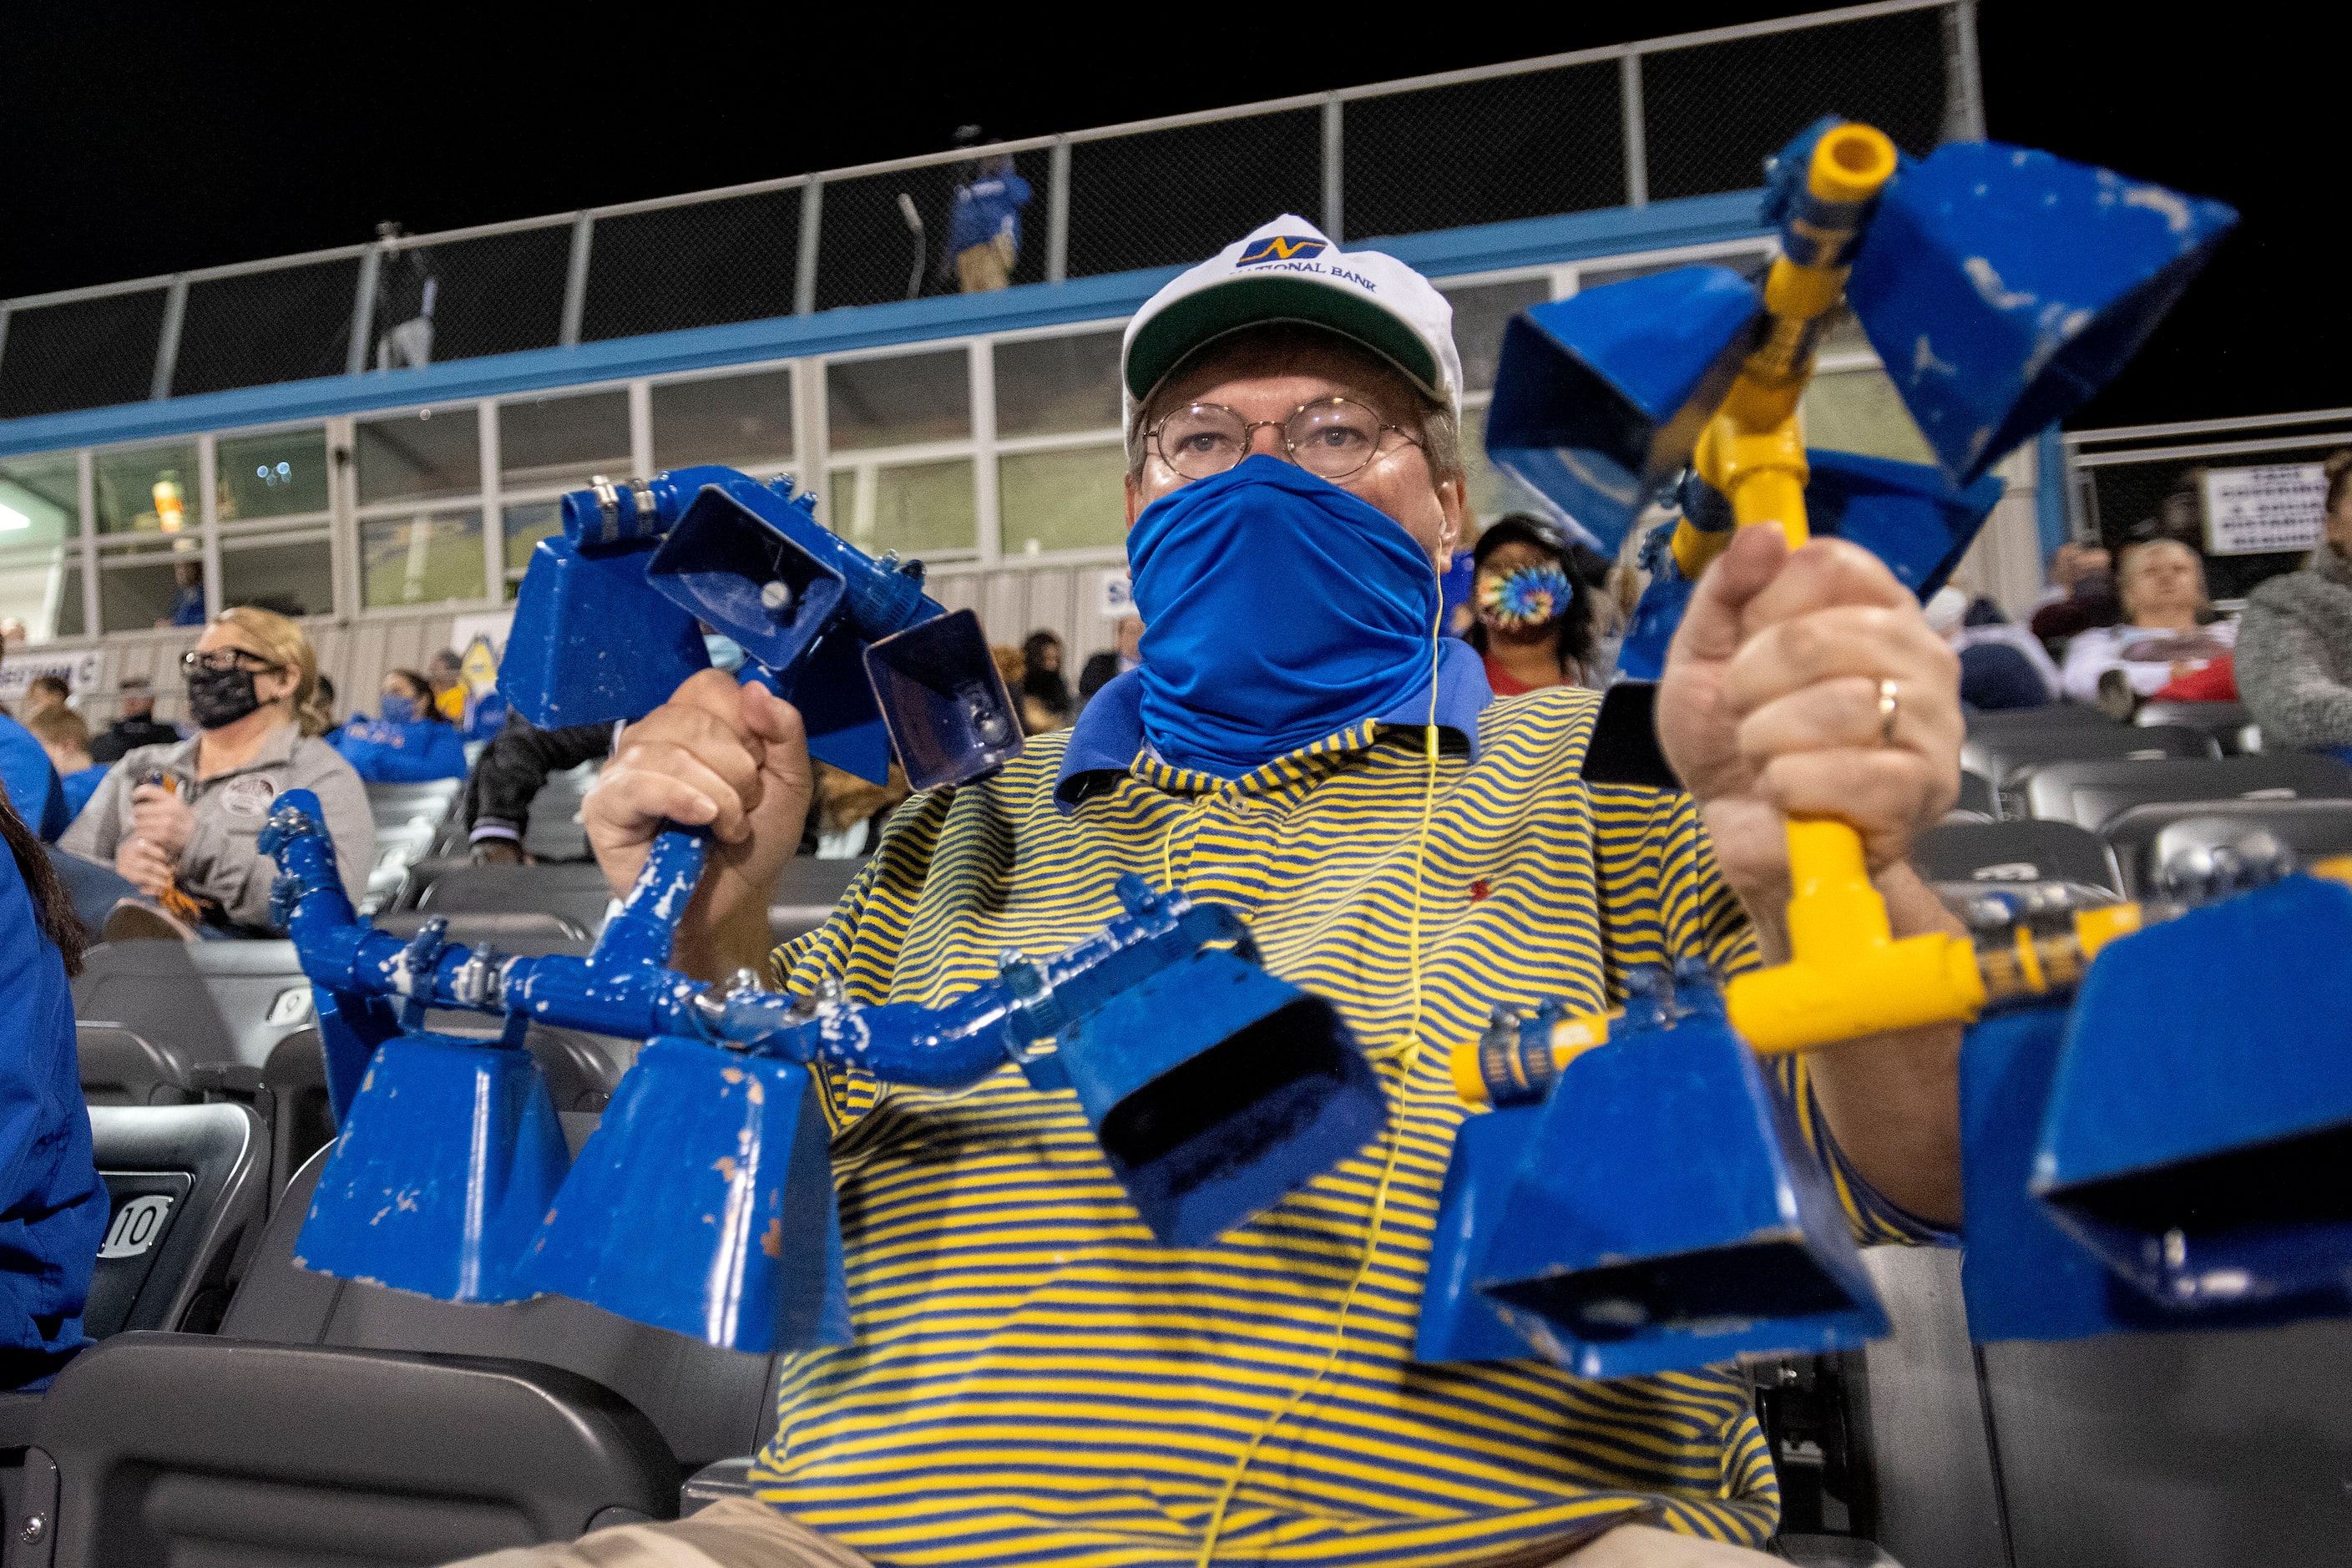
(1847, 976)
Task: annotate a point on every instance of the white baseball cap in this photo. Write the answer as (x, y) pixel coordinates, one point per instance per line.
(1288, 272)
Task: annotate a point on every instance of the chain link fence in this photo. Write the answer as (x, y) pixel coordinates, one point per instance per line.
(1604, 128)
(2127, 486)
(250, 329)
(734, 260)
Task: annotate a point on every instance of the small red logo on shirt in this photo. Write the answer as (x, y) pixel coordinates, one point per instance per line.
(1478, 889)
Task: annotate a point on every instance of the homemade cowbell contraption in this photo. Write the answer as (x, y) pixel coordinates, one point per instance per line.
(610, 619)
(1214, 1087)
(2001, 288)
(1637, 1201)
(2053, 274)
(2169, 1152)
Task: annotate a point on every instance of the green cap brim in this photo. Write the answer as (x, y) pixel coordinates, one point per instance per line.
(1164, 341)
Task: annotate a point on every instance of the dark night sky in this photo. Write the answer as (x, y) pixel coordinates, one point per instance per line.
(143, 139)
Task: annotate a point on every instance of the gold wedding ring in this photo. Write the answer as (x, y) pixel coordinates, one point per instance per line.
(1890, 708)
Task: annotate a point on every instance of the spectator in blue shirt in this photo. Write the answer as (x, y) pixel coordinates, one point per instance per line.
(188, 605)
(66, 738)
(53, 1206)
(30, 780)
(984, 228)
(409, 741)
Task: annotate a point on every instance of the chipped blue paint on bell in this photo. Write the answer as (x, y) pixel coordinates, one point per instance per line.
(591, 641)
(947, 705)
(703, 1205)
(1458, 1324)
(450, 1155)
(1616, 1256)
(2199, 1123)
(2004, 287)
(1216, 1090)
(1909, 515)
(1600, 398)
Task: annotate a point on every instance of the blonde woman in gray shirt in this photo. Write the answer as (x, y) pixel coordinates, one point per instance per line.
(180, 821)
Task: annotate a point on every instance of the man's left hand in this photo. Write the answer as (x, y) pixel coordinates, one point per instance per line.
(163, 819)
(1771, 706)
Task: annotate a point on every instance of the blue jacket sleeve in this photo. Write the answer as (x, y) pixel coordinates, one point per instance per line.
(53, 1205)
(31, 782)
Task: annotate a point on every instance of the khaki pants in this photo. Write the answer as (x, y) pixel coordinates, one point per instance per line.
(740, 1534)
(985, 266)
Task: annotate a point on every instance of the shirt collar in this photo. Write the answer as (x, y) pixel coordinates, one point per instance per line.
(1109, 734)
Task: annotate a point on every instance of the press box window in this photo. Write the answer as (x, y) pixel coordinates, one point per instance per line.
(424, 558)
(564, 441)
(432, 453)
(148, 489)
(735, 421)
(904, 400)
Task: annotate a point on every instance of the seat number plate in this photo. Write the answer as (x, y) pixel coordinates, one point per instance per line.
(137, 1224)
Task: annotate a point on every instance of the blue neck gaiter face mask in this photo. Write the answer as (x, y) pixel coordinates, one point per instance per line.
(1277, 608)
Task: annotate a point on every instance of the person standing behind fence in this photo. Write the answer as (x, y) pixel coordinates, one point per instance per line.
(984, 228)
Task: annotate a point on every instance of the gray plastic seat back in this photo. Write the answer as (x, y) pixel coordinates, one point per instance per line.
(122, 1067)
(2225, 721)
(2146, 836)
(1999, 757)
(526, 932)
(1916, 1414)
(2007, 852)
(188, 1186)
(2091, 794)
(2187, 1450)
(708, 1403)
(204, 1453)
(577, 893)
(215, 1001)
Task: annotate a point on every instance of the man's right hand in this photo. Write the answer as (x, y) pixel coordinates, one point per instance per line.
(735, 760)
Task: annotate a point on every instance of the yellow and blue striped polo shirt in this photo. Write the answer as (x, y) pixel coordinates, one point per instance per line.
(1035, 1380)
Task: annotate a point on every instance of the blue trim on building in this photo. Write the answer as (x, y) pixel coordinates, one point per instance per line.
(1531, 242)
(2049, 490)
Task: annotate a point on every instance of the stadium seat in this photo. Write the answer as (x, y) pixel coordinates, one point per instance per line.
(1963, 853)
(1978, 797)
(1995, 722)
(187, 1185)
(155, 1448)
(1918, 1419)
(2174, 1450)
(806, 893)
(2146, 836)
(334, 1422)
(578, 893)
(408, 820)
(530, 934)
(2092, 793)
(2006, 759)
(2225, 721)
(122, 1067)
(212, 1001)
(554, 833)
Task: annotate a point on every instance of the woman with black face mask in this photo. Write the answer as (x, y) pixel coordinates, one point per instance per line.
(180, 821)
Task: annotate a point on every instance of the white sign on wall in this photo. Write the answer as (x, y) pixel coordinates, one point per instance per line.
(2254, 512)
(1114, 599)
(78, 670)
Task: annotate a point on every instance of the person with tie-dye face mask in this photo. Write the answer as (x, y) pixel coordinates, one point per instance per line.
(1532, 617)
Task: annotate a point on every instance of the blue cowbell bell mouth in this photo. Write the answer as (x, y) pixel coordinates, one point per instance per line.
(1278, 608)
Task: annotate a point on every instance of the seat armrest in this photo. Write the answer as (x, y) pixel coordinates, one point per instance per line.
(556, 1448)
(720, 1478)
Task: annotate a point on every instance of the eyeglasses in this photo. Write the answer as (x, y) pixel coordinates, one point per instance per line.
(222, 660)
(1334, 438)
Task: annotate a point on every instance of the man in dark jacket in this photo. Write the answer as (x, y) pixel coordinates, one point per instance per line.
(510, 773)
(137, 727)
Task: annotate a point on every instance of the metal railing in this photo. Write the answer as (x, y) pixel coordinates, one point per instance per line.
(1624, 125)
(2132, 481)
